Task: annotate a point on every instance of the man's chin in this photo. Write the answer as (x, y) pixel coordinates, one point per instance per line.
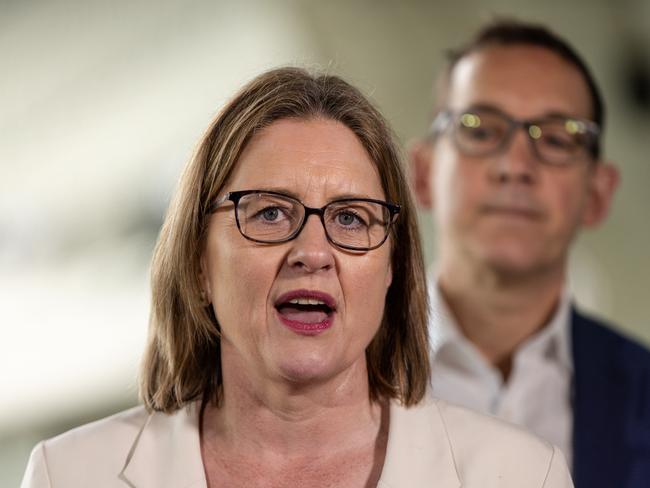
(516, 267)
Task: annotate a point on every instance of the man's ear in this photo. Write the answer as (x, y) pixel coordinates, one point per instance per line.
(421, 165)
(604, 180)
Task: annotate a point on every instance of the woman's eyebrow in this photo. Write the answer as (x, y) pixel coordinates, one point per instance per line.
(344, 196)
(338, 196)
(278, 189)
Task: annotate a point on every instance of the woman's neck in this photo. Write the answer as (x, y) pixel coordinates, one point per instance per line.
(282, 429)
(284, 417)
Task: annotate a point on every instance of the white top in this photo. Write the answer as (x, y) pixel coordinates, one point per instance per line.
(537, 395)
(431, 445)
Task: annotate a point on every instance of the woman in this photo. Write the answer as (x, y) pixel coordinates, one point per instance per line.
(288, 338)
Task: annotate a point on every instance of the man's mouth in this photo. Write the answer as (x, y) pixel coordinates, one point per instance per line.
(514, 205)
(512, 211)
(306, 311)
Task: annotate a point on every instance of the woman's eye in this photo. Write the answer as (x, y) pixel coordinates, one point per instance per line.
(346, 218)
(349, 219)
(269, 214)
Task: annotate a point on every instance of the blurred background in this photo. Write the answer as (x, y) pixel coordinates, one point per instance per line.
(101, 104)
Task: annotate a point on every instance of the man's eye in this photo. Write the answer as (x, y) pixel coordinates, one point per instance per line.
(484, 133)
(557, 141)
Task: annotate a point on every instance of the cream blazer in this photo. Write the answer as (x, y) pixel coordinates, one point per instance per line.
(433, 445)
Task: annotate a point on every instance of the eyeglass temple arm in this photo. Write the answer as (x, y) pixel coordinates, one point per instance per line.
(219, 202)
(439, 121)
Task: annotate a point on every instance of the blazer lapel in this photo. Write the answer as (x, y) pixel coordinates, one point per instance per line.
(167, 452)
(610, 404)
(418, 453)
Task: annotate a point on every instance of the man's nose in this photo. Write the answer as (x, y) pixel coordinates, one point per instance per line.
(518, 162)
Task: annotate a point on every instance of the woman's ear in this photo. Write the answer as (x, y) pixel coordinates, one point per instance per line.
(604, 179)
(389, 274)
(204, 280)
(421, 161)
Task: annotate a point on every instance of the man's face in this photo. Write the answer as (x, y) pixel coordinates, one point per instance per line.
(509, 210)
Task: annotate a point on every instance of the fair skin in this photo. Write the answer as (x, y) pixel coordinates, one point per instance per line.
(502, 270)
(296, 408)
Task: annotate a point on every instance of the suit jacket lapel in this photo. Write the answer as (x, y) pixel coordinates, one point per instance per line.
(610, 419)
(418, 453)
(167, 452)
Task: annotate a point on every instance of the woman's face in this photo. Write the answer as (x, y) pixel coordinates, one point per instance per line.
(303, 310)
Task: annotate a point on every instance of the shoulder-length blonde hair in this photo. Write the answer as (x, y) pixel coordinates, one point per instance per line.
(182, 360)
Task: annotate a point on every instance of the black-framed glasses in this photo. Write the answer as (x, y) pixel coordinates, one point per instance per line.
(357, 224)
(484, 131)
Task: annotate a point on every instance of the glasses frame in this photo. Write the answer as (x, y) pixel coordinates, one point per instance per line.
(236, 196)
(447, 119)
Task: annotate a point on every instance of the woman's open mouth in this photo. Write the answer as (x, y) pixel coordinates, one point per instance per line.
(306, 312)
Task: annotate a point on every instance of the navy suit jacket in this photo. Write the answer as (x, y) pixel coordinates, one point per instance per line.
(611, 407)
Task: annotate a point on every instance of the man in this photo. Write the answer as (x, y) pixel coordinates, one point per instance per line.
(513, 169)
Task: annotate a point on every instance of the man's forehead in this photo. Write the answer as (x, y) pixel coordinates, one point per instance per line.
(525, 81)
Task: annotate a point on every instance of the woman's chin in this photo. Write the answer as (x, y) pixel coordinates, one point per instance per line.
(307, 371)
(312, 372)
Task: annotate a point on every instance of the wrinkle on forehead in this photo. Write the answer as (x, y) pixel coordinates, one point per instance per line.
(316, 184)
(315, 160)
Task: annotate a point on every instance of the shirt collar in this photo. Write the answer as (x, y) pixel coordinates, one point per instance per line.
(553, 340)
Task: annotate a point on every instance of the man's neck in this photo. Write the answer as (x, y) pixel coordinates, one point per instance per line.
(498, 313)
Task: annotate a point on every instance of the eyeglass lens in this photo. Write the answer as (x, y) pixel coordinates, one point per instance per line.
(556, 140)
(357, 224)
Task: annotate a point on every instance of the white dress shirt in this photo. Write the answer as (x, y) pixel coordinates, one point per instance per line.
(537, 394)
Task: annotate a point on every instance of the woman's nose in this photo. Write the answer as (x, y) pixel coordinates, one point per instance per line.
(311, 250)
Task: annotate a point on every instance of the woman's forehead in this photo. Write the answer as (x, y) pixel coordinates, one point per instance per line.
(316, 156)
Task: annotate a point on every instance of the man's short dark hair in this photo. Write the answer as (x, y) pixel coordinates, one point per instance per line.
(509, 32)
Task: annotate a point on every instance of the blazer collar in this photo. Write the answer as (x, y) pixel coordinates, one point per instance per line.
(167, 452)
(418, 453)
